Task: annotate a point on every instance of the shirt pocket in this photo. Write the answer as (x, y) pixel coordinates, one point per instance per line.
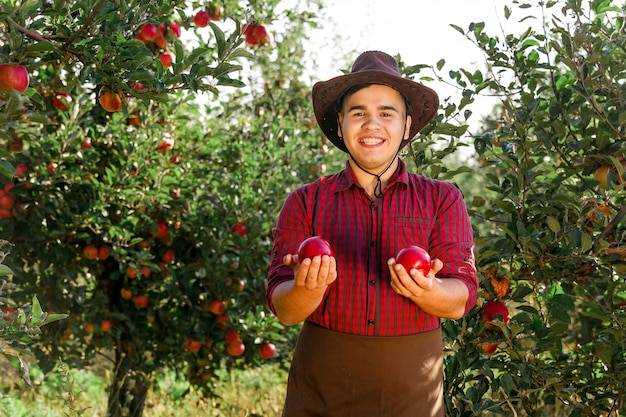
(412, 231)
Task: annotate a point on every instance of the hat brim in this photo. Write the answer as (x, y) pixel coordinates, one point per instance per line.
(423, 100)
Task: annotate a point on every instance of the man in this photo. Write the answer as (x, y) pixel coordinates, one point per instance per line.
(371, 343)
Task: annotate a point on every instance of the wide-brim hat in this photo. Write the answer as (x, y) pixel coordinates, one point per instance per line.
(373, 67)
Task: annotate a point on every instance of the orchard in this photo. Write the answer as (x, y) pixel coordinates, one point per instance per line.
(147, 147)
(140, 181)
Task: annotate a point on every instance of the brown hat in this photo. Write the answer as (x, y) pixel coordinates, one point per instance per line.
(373, 67)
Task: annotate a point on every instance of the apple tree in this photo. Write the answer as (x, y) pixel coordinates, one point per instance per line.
(144, 169)
(549, 215)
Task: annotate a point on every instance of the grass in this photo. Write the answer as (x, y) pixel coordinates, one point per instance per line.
(252, 392)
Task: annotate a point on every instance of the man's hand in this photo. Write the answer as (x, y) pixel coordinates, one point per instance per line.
(312, 273)
(412, 283)
(438, 296)
(296, 299)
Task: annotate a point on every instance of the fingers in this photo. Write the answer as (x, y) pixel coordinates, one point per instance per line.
(412, 283)
(316, 272)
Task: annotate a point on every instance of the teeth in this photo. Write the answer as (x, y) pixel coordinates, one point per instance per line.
(370, 141)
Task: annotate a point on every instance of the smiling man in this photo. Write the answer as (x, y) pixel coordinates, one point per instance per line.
(371, 343)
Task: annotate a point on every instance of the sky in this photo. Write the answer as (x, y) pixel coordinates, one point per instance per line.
(418, 30)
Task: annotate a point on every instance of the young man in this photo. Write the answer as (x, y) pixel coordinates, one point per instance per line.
(371, 343)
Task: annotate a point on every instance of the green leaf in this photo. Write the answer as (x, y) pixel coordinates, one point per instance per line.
(5, 270)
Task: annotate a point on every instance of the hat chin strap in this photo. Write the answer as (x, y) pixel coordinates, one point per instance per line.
(378, 188)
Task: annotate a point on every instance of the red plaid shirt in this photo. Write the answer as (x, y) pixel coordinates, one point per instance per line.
(364, 234)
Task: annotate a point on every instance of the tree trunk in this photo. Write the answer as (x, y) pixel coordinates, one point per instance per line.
(129, 388)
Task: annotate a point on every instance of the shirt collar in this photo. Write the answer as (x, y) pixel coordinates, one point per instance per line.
(348, 179)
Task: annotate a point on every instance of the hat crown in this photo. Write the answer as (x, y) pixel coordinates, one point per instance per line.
(376, 61)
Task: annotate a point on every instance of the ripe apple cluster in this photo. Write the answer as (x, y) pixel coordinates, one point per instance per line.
(7, 203)
(257, 34)
(202, 17)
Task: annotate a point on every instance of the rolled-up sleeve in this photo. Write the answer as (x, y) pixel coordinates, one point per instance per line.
(452, 241)
(291, 228)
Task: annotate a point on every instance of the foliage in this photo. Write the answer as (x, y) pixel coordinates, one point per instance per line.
(20, 327)
(551, 236)
(125, 220)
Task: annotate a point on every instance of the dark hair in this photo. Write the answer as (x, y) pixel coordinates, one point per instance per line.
(349, 91)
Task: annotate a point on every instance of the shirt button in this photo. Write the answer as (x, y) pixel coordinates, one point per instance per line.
(370, 322)
(372, 282)
(373, 243)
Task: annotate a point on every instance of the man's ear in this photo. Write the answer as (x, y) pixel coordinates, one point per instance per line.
(339, 121)
(407, 127)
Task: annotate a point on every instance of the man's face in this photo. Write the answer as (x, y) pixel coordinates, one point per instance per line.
(373, 123)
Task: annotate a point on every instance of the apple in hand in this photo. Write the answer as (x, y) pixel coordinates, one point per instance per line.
(414, 257)
(314, 246)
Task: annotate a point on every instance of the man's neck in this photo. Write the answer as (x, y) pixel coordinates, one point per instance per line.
(368, 181)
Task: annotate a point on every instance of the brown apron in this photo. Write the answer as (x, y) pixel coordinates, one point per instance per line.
(337, 374)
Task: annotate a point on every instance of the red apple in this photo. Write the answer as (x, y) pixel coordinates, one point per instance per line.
(110, 100)
(414, 257)
(193, 345)
(489, 348)
(222, 322)
(166, 59)
(105, 326)
(175, 29)
(232, 336)
(90, 252)
(141, 301)
(61, 100)
(217, 307)
(21, 169)
(6, 201)
(201, 19)
(262, 34)
(52, 167)
(86, 144)
(267, 350)
(13, 77)
(126, 294)
(314, 246)
(103, 252)
(160, 231)
(236, 348)
(146, 271)
(166, 143)
(149, 32)
(168, 257)
(240, 229)
(492, 310)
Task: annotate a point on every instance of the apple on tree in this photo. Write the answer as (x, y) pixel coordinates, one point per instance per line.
(267, 350)
(105, 326)
(240, 229)
(236, 348)
(217, 307)
(90, 252)
(201, 19)
(110, 100)
(193, 345)
(493, 310)
(14, 77)
(314, 246)
(414, 257)
(61, 100)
